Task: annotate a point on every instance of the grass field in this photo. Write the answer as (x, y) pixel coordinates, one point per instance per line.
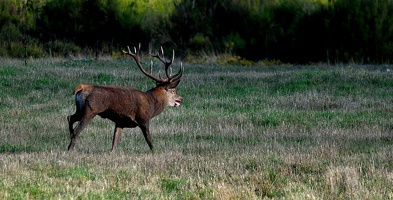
(280, 132)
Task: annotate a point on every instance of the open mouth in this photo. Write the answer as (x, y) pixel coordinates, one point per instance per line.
(177, 103)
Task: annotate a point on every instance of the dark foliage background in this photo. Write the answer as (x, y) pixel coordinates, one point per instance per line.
(296, 31)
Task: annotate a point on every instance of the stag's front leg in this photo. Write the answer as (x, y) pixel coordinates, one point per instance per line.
(116, 136)
(146, 134)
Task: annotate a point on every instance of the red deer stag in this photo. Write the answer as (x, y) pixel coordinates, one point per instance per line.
(126, 107)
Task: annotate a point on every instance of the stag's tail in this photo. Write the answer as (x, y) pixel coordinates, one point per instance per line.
(80, 94)
(81, 87)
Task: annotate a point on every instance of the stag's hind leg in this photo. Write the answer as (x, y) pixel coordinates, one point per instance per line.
(71, 120)
(81, 125)
(77, 116)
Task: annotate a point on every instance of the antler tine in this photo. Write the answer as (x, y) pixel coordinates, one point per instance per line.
(173, 55)
(134, 55)
(168, 64)
(162, 51)
(173, 58)
(178, 75)
(139, 49)
(126, 51)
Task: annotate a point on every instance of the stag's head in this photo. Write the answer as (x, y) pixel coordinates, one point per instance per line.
(169, 83)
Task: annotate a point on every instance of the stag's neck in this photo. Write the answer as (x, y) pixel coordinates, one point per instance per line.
(157, 98)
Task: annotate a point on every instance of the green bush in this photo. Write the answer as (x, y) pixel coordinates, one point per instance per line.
(60, 48)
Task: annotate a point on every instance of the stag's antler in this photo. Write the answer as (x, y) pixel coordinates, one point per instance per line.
(162, 58)
(136, 57)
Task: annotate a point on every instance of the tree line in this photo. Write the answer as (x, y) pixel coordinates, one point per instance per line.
(296, 31)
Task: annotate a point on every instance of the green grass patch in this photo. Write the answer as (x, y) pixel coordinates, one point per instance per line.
(15, 148)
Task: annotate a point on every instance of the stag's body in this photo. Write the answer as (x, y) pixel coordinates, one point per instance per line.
(127, 107)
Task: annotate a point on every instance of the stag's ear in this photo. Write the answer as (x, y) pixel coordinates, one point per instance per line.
(173, 84)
